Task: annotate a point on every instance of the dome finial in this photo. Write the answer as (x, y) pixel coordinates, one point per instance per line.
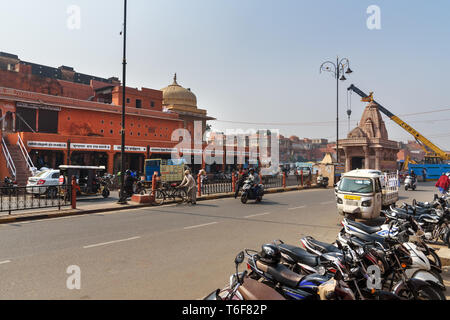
(175, 78)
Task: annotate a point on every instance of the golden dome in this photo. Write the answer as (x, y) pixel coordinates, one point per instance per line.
(176, 95)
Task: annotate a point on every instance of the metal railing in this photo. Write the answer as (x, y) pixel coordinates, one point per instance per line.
(25, 154)
(36, 197)
(9, 161)
(272, 181)
(217, 186)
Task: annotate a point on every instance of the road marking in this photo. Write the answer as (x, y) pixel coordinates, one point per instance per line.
(296, 208)
(258, 215)
(5, 262)
(328, 202)
(110, 242)
(201, 225)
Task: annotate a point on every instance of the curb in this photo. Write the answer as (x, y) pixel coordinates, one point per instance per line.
(78, 212)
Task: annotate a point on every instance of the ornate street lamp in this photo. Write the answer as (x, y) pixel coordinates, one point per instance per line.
(338, 69)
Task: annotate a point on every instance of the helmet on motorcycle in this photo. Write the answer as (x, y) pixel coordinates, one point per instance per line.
(270, 254)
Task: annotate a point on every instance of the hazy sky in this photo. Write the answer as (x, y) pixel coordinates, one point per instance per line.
(255, 60)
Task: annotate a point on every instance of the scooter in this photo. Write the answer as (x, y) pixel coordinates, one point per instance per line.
(322, 181)
(252, 192)
(410, 183)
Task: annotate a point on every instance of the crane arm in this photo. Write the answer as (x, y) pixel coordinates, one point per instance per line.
(443, 155)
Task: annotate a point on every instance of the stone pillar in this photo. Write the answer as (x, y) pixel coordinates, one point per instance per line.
(348, 160)
(377, 159)
(366, 157)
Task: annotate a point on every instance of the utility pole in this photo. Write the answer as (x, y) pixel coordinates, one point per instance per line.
(123, 196)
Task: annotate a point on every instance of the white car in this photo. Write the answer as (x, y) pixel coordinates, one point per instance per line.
(45, 182)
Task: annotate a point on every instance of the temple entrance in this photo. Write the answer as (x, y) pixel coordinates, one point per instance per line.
(357, 163)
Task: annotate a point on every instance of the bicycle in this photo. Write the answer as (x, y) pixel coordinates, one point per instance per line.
(170, 192)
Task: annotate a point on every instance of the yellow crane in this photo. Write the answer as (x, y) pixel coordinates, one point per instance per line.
(434, 154)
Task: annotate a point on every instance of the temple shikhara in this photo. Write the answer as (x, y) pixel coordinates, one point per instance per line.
(367, 146)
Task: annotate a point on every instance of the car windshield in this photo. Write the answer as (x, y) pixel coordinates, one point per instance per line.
(358, 185)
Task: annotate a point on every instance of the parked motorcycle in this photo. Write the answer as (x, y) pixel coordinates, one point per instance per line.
(252, 192)
(9, 186)
(242, 287)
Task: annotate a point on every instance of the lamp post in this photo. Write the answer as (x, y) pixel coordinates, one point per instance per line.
(338, 69)
(122, 196)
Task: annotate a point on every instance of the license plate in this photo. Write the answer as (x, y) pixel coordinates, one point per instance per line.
(351, 203)
(352, 198)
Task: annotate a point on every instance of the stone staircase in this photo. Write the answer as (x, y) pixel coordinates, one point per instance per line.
(22, 171)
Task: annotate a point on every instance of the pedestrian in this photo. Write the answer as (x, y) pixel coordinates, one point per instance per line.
(424, 174)
(190, 185)
(443, 183)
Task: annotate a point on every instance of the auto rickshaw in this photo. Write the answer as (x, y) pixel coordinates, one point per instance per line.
(88, 178)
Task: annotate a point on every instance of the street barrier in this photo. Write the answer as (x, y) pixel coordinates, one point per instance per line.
(36, 197)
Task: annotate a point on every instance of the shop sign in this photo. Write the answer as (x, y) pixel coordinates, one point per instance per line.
(36, 106)
(130, 148)
(43, 144)
(80, 146)
(163, 150)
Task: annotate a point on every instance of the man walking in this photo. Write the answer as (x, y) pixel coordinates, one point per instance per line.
(424, 174)
(190, 185)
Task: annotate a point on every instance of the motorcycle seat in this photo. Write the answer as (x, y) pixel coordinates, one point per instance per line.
(254, 290)
(322, 246)
(368, 238)
(299, 255)
(363, 227)
(281, 274)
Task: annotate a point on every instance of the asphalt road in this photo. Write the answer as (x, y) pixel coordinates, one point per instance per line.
(173, 252)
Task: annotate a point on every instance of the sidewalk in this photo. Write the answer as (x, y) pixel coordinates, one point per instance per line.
(100, 205)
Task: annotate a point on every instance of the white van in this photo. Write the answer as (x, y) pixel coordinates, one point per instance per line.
(364, 193)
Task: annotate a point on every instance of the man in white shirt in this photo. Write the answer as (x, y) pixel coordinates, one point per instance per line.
(190, 185)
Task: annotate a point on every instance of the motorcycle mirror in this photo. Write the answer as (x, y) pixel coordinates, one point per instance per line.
(239, 258)
(339, 244)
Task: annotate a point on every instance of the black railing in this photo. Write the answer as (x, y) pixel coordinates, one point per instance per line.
(36, 197)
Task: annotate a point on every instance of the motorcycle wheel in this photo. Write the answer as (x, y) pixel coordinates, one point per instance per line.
(105, 193)
(425, 292)
(244, 198)
(258, 200)
(406, 188)
(447, 238)
(434, 259)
